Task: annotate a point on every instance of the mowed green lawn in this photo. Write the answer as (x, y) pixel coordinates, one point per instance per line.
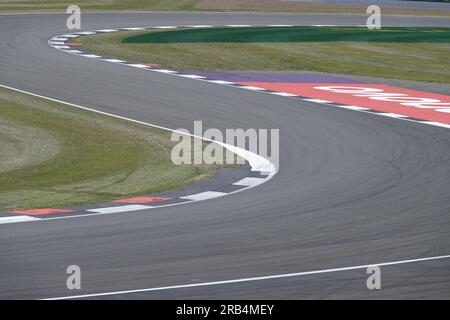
(293, 34)
(54, 155)
(401, 53)
(61, 5)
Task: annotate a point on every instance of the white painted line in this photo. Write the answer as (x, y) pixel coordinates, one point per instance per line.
(437, 124)
(107, 30)
(164, 71)
(132, 207)
(61, 47)
(252, 88)
(250, 182)
(85, 32)
(133, 28)
(220, 81)
(242, 280)
(53, 43)
(204, 195)
(91, 56)
(164, 27)
(257, 162)
(58, 39)
(284, 94)
(323, 25)
(17, 219)
(137, 65)
(70, 35)
(114, 60)
(393, 115)
(192, 76)
(74, 51)
(354, 108)
(317, 100)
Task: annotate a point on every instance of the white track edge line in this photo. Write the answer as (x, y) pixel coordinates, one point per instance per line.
(241, 280)
(229, 147)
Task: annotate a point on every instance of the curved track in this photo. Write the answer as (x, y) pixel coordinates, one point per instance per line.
(352, 189)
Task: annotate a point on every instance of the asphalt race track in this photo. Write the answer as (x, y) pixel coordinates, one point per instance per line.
(353, 188)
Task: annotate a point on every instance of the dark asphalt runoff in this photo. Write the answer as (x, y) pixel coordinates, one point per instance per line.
(352, 189)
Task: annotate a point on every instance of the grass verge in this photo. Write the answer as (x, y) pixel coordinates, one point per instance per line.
(294, 34)
(53, 155)
(366, 54)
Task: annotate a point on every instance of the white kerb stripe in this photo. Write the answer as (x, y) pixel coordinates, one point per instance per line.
(199, 26)
(317, 100)
(250, 182)
(137, 65)
(393, 115)
(133, 207)
(220, 81)
(354, 108)
(106, 30)
(91, 56)
(164, 71)
(252, 88)
(438, 124)
(114, 60)
(204, 195)
(133, 28)
(284, 94)
(16, 219)
(191, 76)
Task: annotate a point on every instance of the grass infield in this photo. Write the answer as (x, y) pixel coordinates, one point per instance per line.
(53, 155)
(398, 53)
(294, 34)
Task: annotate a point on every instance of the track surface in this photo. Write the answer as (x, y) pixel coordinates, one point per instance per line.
(352, 188)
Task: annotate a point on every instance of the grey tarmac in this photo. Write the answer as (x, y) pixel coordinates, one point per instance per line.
(352, 188)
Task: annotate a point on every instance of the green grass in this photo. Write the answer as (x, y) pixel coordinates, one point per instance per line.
(93, 5)
(294, 34)
(53, 155)
(418, 61)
